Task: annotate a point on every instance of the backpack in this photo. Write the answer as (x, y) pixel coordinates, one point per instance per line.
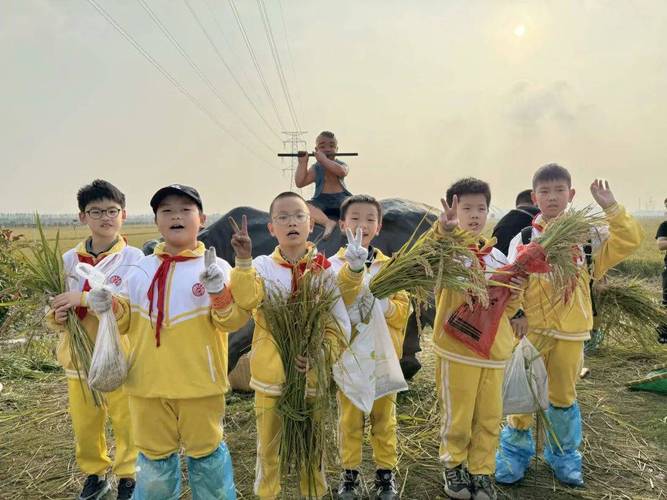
(527, 236)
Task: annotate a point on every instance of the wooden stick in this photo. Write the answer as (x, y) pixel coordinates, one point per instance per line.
(295, 155)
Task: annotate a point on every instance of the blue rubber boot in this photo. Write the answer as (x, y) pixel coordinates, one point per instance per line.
(516, 450)
(212, 477)
(158, 479)
(565, 460)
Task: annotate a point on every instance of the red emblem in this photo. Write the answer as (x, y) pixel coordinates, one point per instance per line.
(198, 290)
(116, 280)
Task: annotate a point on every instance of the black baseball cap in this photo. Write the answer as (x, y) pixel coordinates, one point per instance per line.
(178, 189)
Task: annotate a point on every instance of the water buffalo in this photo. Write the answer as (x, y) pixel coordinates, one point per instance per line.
(401, 217)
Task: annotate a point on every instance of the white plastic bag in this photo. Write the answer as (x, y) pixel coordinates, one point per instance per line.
(524, 371)
(369, 369)
(108, 366)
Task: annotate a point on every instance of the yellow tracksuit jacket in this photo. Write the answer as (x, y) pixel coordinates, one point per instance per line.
(558, 328)
(268, 377)
(383, 413)
(177, 390)
(469, 386)
(88, 420)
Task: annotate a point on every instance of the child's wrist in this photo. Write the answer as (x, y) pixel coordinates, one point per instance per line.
(243, 262)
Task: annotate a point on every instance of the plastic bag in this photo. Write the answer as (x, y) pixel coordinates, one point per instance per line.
(525, 387)
(108, 366)
(369, 369)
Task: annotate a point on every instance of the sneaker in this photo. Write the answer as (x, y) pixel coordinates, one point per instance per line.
(94, 488)
(125, 488)
(350, 487)
(385, 485)
(457, 482)
(483, 488)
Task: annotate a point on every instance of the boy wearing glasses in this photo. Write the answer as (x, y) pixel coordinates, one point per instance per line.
(295, 255)
(102, 209)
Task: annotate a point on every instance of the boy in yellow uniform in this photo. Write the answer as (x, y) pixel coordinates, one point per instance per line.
(102, 209)
(558, 327)
(470, 386)
(364, 213)
(290, 225)
(177, 312)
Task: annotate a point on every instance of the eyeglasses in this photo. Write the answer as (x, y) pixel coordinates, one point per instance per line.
(283, 220)
(97, 213)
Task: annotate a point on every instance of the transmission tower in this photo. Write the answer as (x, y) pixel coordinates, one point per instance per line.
(295, 143)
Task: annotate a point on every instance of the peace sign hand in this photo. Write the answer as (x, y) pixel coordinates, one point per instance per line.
(448, 218)
(212, 276)
(241, 241)
(355, 253)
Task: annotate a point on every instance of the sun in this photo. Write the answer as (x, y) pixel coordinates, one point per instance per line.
(520, 30)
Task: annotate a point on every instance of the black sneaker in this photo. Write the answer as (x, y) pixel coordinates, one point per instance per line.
(457, 482)
(125, 488)
(94, 488)
(385, 485)
(350, 487)
(662, 334)
(483, 488)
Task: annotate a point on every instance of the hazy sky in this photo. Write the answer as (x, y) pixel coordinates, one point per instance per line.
(425, 91)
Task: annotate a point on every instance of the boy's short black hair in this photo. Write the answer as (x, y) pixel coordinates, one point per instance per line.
(524, 198)
(285, 194)
(360, 198)
(97, 190)
(552, 172)
(468, 185)
(328, 134)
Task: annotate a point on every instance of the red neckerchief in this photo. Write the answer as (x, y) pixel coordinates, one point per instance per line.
(481, 253)
(81, 311)
(317, 263)
(160, 278)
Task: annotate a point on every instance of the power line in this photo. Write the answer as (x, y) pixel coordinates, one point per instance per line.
(229, 48)
(201, 75)
(276, 59)
(290, 58)
(226, 65)
(171, 79)
(253, 58)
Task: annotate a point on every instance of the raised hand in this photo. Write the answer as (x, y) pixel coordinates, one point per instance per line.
(602, 193)
(212, 276)
(355, 253)
(241, 241)
(303, 157)
(448, 217)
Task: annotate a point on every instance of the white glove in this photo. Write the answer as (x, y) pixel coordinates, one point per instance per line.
(212, 276)
(360, 309)
(355, 254)
(100, 300)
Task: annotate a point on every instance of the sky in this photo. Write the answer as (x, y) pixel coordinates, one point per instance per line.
(426, 92)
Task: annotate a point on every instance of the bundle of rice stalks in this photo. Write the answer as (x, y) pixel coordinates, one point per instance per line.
(628, 311)
(432, 263)
(46, 279)
(298, 323)
(560, 242)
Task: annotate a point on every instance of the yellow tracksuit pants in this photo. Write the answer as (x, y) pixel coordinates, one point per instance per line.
(563, 360)
(267, 468)
(383, 432)
(89, 422)
(470, 399)
(162, 426)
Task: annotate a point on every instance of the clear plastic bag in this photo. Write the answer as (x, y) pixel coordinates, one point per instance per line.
(369, 369)
(525, 387)
(108, 366)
